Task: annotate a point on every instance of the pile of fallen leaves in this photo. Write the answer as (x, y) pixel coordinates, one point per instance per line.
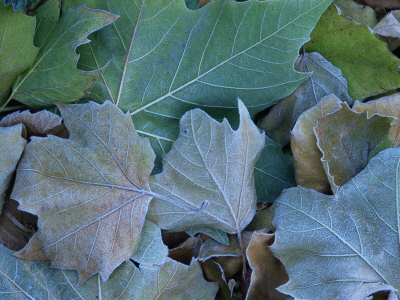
(208, 149)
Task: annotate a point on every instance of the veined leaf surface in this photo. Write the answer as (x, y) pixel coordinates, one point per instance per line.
(166, 59)
(209, 170)
(90, 191)
(345, 246)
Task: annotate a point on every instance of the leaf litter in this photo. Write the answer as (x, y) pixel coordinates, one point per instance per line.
(198, 224)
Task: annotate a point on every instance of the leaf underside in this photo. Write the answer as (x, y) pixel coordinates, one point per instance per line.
(345, 246)
(90, 192)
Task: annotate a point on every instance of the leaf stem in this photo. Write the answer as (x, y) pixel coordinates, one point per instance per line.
(244, 270)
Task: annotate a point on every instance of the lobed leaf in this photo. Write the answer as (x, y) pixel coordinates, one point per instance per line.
(53, 77)
(208, 170)
(90, 191)
(309, 170)
(344, 246)
(166, 59)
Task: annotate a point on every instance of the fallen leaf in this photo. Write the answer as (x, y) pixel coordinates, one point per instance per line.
(309, 170)
(18, 5)
(385, 106)
(325, 79)
(212, 248)
(273, 172)
(210, 172)
(36, 280)
(214, 272)
(217, 235)
(268, 272)
(53, 77)
(17, 49)
(41, 123)
(367, 64)
(262, 220)
(348, 140)
(172, 280)
(11, 146)
(186, 251)
(151, 249)
(358, 13)
(387, 4)
(166, 59)
(389, 26)
(16, 226)
(344, 246)
(90, 192)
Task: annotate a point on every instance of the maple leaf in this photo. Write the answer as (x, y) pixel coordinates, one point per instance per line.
(90, 191)
(357, 52)
(209, 169)
(53, 76)
(166, 59)
(345, 246)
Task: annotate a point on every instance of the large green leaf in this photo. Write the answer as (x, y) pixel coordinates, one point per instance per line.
(17, 52)
(210, 171)
(345, 246)
(90, 192)
(365, 61)
(54, 77)
(166, 59)
(11, 146)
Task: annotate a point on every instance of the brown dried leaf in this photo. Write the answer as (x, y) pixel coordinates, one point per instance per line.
(268, 272)
(90, 192)
(385, 106)
(309, 170)
(41, 123)
(348, 140)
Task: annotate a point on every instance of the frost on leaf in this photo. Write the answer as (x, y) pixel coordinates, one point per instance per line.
(344, 246)
(11, 146)
(210, 170)
(90, 191)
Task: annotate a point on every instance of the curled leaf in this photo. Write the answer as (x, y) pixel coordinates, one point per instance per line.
(348, 140)
(385, 106)
(309, 170)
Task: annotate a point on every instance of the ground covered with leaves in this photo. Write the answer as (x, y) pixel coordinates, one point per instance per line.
(154, 149)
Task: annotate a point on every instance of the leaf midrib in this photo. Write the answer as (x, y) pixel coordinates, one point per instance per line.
(338, 237)
(170, 93)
